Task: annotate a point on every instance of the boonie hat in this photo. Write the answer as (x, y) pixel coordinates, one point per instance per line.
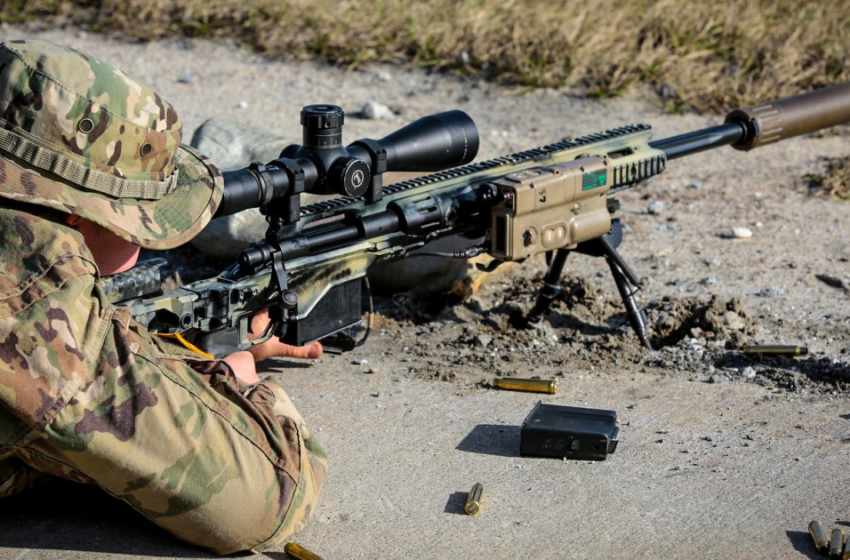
(79, 136)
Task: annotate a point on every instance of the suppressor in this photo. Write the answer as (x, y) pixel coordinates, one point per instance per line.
(299, 552)
(473, 501)
(775, 350)
(527, 385)
(818, 534)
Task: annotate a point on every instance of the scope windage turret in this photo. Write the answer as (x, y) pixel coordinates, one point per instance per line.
(323, 166)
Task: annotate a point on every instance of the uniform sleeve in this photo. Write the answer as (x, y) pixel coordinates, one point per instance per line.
(224, 467)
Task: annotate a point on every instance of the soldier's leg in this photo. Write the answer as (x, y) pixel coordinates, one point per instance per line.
(221, 467)
(16, 476)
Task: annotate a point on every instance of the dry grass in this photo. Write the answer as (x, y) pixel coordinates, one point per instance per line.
(834, 182)
(712, 55)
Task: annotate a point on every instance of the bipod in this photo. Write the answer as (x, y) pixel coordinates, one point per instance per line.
(626, 280)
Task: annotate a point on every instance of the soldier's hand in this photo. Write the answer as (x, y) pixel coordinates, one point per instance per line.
(244, 362)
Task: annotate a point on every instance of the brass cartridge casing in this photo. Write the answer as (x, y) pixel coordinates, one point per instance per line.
(473, 501)
(528, 385)
(819, 537)
(836, 543)
(299, 552)
(775, 350)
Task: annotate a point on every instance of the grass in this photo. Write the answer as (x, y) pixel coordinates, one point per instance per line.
(834, 182)
(709, 55)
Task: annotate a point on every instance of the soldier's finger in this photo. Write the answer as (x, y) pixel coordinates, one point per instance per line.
(274, 348)
(310, 351)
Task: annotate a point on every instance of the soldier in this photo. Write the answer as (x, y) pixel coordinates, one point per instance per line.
(91, 168)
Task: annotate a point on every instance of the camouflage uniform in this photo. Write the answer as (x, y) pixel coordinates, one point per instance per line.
(85, 393)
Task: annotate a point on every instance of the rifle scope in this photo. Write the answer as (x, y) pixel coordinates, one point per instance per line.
(322, 165)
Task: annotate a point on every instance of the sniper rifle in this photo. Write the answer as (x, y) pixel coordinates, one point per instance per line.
(310, 270)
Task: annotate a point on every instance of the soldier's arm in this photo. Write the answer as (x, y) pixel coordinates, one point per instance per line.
(222, 466)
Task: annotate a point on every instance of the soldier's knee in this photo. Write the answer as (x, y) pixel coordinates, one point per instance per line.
(287, 504)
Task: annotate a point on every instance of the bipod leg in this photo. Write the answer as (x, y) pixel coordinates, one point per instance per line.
(625, 279)
(551, 285)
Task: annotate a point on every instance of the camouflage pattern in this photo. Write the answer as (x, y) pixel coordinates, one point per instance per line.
(81, 137)
(86, 394)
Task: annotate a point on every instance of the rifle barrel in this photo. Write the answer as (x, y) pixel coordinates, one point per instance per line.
(750, 127)
(700, 140)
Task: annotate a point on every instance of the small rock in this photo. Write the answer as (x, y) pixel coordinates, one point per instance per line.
(373, 371)
(734, 321)
(242, 105)
(360, 362)
(375, 111)
(748, 373)
(771, 291)
(464, 57)
(375, 394)
(742, 233)
(82, 34)
(483, 340)
(187, 79)
(695, 184)
(656, 208)
(708, 280)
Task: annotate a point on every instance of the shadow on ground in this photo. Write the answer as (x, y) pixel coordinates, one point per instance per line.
(492, 439)
(802, 543)
(74, 517)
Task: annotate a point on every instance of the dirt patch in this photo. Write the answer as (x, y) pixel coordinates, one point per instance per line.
(674, 320)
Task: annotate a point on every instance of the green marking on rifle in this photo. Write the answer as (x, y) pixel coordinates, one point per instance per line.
(593, 180)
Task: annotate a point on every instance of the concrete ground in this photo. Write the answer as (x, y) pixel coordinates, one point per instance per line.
(702, 471)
